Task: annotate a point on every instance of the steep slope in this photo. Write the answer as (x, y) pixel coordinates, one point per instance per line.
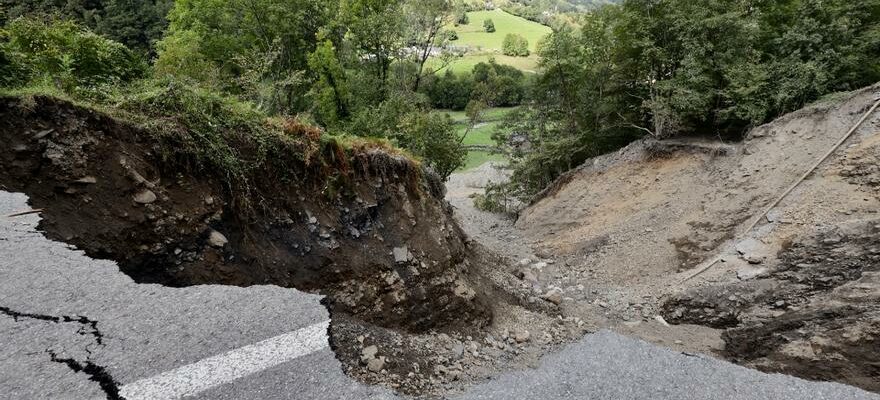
(415, 305)
(797, 294)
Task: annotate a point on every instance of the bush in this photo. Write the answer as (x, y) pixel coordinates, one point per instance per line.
(515, 46)
(432, 137)
(450, 91)
(63, 53)
(499, 85)
(489, 26)
(496, 199)
(461, 17)
(405, 119)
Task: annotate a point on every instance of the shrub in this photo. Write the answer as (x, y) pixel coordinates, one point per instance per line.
(489, 26)
(70, 56)
(515, 46)
(432, 136)
(450, 91)
(461, 17)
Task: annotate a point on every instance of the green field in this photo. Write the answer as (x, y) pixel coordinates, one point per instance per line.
(484, 45)
(474, 35)
(480, 135)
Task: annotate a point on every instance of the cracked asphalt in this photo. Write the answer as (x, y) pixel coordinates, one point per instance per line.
(72, 327)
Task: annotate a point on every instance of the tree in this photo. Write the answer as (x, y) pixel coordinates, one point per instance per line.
(489, 26)
(425, 22)
(229, 35)
(515, 46)
(461, 16)
(331, 90)
(137, 24)
(432, 136)
(374, 28)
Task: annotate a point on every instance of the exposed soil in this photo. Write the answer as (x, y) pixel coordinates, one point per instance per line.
(398, 272)
(795, 295)
(427, 300)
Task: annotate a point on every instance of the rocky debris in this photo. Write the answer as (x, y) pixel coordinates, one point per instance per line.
(748, 273)
(521, 335)
(376, 364)
(369, 352)
(792, 318)
(401, 255)
(527, 275)
(553, 296)
(216, 239)
(145, 196)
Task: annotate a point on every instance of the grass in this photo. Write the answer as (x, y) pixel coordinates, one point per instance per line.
(483, 45)
(474, 35)
(477, 158)
(480, 135)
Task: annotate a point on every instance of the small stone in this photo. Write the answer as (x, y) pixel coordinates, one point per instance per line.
(87, 180)
(458, 351)
(369, 353)
(463, 290)
(43, 134)
(145, 196)
(746, 274)
(401, 254)
(603, 304)
(454, 375)
(540, 265)
(754, 260)
(521, 335)
(376, 364)
(554, 296)
(209, 200)
(679, 342)
(526, 274)
(216, 239)
(525, 262)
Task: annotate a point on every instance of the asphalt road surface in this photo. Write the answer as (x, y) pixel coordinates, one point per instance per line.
(72, 327)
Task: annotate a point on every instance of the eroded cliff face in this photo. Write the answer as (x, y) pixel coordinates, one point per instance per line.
(373, 233)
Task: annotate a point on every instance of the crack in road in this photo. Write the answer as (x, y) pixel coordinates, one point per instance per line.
(83, 321)
(95, 372)
(88, 327)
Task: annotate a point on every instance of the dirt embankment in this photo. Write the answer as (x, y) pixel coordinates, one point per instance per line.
(797, 294)
(382, 245)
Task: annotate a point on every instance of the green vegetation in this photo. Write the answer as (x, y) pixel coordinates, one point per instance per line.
(136, 24)
(483, 46)
(515, 46)
(490, 83)
(36, 53)
(480, 133)
(684, 67)
(373, 71)
(488, 25)
(475, 36)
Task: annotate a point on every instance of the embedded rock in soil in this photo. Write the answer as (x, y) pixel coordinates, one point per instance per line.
(816, 315)
(387, 199)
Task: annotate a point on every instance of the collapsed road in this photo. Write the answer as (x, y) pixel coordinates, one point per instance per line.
(77, 328)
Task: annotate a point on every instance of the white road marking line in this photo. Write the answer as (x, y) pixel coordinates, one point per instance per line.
(227, 367)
